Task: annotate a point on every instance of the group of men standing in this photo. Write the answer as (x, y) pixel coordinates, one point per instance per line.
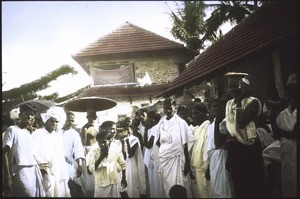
(40, 163)
(221, 157)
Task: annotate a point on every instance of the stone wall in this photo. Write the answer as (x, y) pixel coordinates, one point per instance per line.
(162, 68)
(159, 70)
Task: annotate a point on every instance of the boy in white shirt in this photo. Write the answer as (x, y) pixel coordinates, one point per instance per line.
(104, 163)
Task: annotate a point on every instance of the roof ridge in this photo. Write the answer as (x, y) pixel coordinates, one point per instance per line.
(128, 37)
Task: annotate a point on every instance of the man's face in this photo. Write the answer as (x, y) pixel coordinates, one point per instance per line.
(198, 116)
(292, 100)
(183, 114)
(149, 122)
(70, 120)
(91, 117)
(169, 110)
(27, 117)
(51, 124)
(234, 87)
(103, 143)
(112, 131)
(143, 116)
(128, 130)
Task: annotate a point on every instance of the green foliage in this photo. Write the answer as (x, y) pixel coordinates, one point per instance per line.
(29, 91)
(72, 95)
(37, 85)
(189, 25)
(227, 11)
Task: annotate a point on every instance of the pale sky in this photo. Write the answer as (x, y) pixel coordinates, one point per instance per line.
(39, 37)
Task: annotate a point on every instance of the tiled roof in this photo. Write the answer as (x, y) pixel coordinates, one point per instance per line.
(267, 26)
(124, 92)
(128, 38)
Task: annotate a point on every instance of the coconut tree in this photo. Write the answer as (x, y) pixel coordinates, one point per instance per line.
(190, 27)
(188, 24)
(228, 11)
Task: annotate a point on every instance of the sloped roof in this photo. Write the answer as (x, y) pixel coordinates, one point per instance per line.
(128, 38)
(124, 92)
(266, 26)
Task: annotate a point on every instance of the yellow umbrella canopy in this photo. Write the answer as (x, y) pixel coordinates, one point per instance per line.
(86, 104)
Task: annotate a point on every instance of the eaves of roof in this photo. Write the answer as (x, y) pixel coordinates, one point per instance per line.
(268, 25)
(122, 92)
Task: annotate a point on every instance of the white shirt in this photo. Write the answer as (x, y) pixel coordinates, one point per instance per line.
(20, 142)
(72, 144)
(45, 144)
(107, 171)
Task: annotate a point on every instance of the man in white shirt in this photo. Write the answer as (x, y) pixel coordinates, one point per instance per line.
(26, 176)
(74, 152)
(50, 156)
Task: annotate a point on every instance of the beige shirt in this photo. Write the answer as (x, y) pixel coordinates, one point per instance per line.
(107, 171)
(246, 135)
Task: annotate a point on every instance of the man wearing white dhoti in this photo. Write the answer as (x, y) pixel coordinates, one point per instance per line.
(175, 139)
(135, 167)
(198, 156)
(156, 188)
(26, 176)
(288, 128)
(74, 152)
(50, 156)
(219, 178)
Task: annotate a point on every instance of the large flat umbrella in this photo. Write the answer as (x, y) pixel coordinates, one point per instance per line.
(86, 104)
(41, 105)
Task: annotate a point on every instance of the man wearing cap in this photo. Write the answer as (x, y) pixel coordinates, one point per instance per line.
(50, 156)
(244, 160)
(26, 176)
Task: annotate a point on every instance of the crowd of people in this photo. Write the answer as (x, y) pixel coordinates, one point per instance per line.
(238, 146)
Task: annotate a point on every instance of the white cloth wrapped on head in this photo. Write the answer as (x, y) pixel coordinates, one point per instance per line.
(51, 112)
(14, 114)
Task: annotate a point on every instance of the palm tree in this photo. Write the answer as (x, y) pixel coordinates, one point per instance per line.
(228, 11)
(190, 27)
(188, 24)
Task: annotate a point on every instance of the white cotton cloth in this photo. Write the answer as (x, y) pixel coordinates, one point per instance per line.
(148, 160)
(272, 151)
(199, 159)
(14, 114)
(73, 149)
(287, 119)
(106, 183)
(246, 135)
(26, 177)
(174, 133)
(20, 142)
(51, 112)
(210, 140)
(220, 183)
(264, 137)
(50, 150)
(135, 170)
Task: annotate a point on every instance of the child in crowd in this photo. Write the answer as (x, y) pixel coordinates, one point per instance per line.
(104, 163)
